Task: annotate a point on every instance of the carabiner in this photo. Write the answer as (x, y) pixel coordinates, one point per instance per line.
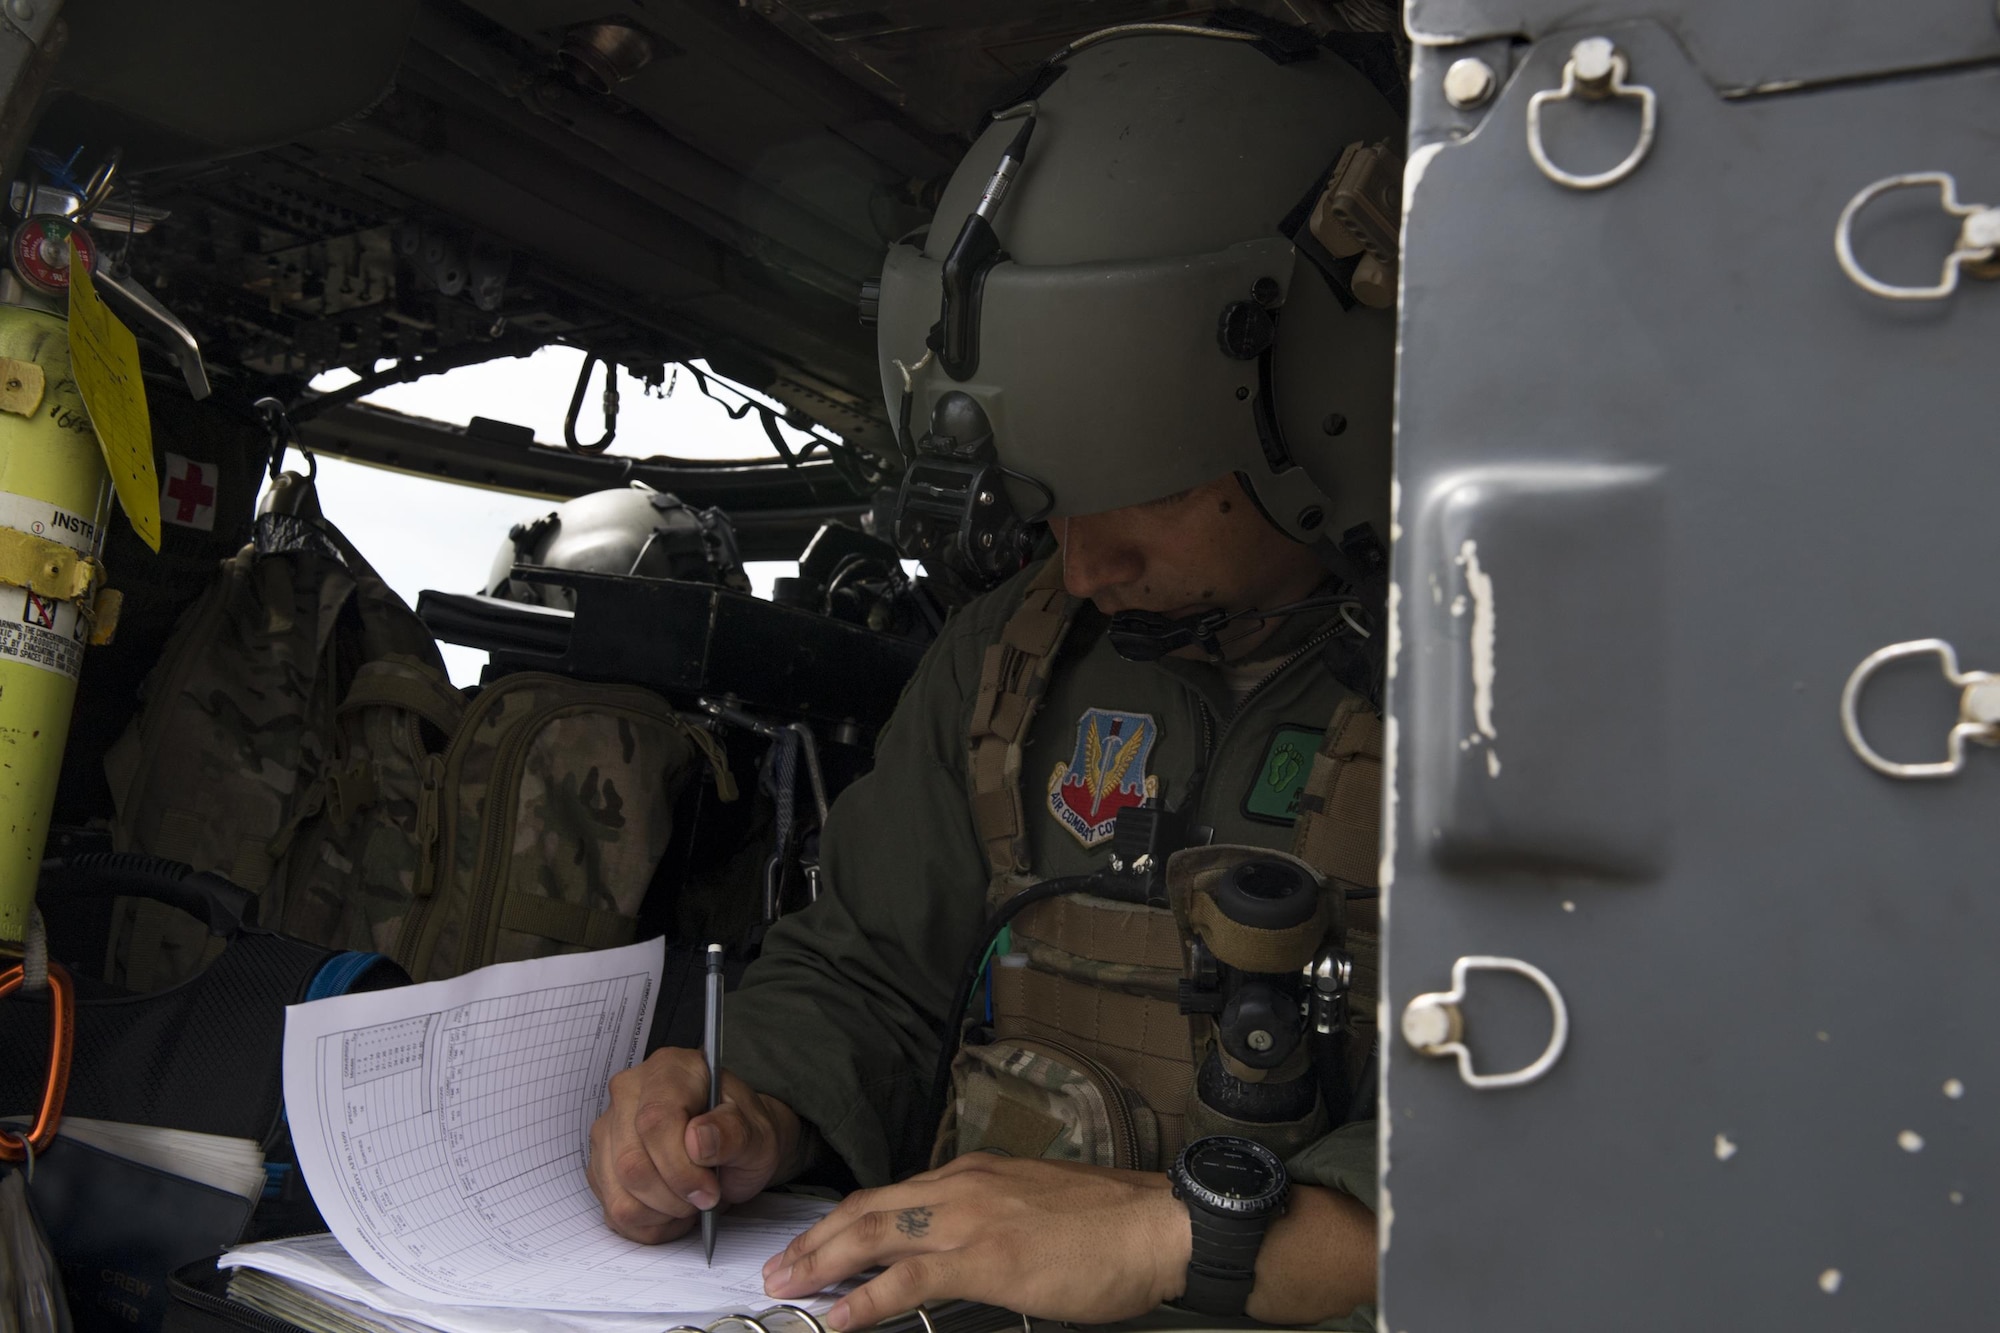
(62, 1041)
(603, 442)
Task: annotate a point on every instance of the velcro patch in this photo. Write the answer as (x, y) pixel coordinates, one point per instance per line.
(1275, 787)
(1106, 773)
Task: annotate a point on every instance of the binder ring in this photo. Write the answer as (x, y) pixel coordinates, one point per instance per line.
(737, 1323)
(787, 1318)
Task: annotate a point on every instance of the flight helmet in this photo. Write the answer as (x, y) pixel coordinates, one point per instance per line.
(633, 530)
(1175, 261)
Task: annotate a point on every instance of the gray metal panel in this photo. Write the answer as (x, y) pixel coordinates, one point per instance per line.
(1805, 955)
(1745, 45)
(1584, 549)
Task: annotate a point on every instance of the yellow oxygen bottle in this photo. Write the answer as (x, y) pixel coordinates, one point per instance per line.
(54, 501)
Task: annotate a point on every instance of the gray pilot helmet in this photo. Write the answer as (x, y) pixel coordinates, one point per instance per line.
(1171, 292)
(634, 530)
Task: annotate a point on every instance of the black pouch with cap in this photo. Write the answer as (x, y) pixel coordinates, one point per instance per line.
(198, 1302)
(206, 1055)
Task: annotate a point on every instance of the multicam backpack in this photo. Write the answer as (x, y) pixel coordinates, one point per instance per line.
(300, 737)
(554, 805)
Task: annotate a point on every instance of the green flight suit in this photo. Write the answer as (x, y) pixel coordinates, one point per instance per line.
(840, 1016)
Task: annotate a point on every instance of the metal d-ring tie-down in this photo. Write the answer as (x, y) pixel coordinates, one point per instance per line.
(1434, 1025)
(1978, 709)
(1978, 247)
(1595, 72)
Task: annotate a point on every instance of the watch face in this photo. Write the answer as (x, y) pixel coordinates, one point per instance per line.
(1236, 1169)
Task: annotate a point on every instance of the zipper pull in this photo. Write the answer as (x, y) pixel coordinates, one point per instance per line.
(429, 803)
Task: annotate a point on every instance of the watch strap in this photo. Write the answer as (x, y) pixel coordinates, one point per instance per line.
(1222, 1265)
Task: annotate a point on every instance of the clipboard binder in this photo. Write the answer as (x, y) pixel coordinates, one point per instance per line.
(951, 1317)
(200, 1302)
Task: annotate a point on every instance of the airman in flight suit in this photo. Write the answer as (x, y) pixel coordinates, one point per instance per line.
(1167, 362)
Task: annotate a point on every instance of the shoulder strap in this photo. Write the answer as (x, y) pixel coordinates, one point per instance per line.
(1339, 828)
(401, 681)
(1011, 681)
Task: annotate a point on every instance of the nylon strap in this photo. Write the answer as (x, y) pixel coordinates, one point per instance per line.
(1094, 928)
(403, 682)
(103, 615)
(711, 750)
(1251, 950)
(1339, 826)
(1012, 679)
(551, 918)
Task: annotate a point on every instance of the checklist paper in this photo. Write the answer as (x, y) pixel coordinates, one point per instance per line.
(444, 1128)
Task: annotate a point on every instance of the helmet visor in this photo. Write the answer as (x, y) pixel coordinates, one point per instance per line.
(1107, 383)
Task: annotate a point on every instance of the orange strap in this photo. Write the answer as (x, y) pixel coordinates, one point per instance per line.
(62, 1040)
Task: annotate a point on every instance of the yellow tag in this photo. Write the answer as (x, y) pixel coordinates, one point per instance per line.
(104, 357)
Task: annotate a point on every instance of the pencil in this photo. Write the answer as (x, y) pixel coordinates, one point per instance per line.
(711, 1049)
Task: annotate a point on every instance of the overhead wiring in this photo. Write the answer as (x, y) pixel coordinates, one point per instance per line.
(862, 474)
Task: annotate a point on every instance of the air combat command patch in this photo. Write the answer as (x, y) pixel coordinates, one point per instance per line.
(1275, 787)
(1106, 774)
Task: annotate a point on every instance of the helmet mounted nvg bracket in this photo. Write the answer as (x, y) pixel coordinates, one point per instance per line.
(954, 505)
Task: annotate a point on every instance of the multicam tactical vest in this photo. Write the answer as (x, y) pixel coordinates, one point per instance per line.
(279, 743)
(300, 737)
(1088, 1056)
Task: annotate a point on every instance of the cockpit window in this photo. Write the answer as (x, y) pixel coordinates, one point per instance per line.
(685, 416)
(427, 533)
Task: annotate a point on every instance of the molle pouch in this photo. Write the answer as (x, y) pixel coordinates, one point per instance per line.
(1086, 1056)
(351, 870)
(1021, 1097)
(1267, 984)
(544, 821)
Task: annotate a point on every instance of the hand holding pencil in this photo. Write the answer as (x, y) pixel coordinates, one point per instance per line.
(675, 1142)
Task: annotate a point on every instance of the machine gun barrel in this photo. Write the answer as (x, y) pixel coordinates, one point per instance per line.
(687, 640)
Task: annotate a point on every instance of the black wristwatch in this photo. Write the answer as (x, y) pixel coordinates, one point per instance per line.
(1233, 1188)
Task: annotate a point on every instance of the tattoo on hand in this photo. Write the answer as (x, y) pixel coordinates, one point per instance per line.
(914, 1222)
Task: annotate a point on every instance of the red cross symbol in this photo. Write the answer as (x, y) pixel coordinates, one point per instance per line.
(189, 497)
(193, 493)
